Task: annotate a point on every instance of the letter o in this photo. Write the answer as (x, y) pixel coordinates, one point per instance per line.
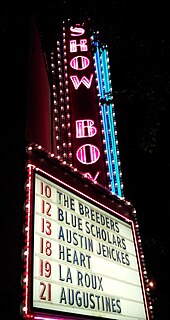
(74, 63)
(88, 154)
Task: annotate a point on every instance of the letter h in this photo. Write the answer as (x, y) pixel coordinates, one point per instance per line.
(82, 45)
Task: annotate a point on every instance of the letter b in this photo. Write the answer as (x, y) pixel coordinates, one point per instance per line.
(85, 128)
(60, 214)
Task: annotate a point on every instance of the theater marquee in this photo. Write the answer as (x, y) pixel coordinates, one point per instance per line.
(83, 257)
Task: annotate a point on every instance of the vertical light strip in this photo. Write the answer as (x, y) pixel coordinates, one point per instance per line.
(105, 124)
(105, 72)
(26, 249)
(67, 100)
(55, 103)
(108, 91)
(105, 91)
(111, 122)
(106, 133)
(98, 69)
(112, 133)
(104, 120)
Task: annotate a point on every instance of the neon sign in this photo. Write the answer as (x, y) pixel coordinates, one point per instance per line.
(87, 141)
(84, 120)
(85, 128)
(76, 82)
(85, 150)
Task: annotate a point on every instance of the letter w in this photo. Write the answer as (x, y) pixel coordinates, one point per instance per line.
(76, 82)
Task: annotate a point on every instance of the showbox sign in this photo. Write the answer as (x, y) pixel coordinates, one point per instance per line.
(85, 126)
(88, 152)
(85, 133)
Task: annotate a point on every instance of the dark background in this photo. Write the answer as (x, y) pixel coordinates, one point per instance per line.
(137, 35)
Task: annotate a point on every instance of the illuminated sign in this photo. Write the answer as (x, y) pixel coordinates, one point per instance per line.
(85, 134)
(84, 259)
(87, 141)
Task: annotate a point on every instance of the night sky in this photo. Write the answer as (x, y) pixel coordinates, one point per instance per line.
(137, 35)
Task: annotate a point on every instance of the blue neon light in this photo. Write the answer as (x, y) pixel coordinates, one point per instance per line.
(98, 69)
(109, 157)
(107, 117)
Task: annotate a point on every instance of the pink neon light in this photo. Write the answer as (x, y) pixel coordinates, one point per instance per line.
(85, 128)
(79, 60)
(76, 82)
(88, 175)
(77, 31)
(82, 45)
(48, 318)
(89, 149)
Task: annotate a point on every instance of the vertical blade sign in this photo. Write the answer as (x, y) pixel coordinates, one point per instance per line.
(87, 141)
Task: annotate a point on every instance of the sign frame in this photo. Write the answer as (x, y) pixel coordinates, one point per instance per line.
(44, 169)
